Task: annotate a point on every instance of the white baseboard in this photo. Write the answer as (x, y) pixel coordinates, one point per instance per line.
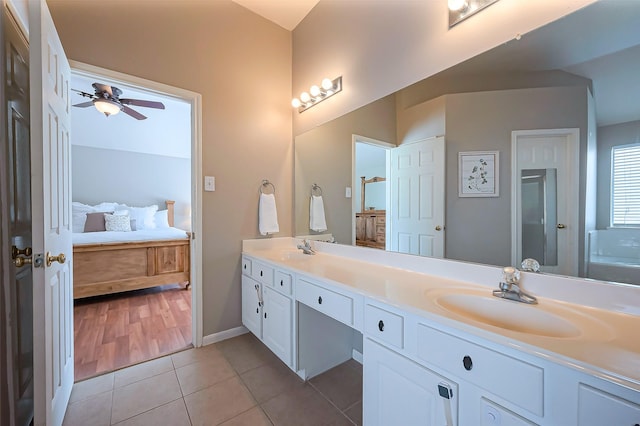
(224, 335)
(357, 356)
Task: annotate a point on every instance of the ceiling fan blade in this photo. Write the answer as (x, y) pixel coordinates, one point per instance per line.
(133, 113)
(102, 88)
(84, 104)
(142, 103)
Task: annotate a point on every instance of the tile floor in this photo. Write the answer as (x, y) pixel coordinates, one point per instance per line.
(234, 382)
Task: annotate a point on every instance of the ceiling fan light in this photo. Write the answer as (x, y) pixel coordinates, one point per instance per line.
(107, 106)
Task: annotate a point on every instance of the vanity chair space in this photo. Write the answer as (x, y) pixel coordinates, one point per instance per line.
(437, 346)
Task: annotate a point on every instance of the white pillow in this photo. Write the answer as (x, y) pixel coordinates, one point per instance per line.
(105, 207)
(144, 216)
(162, 219)
(117, 222)
(79, 216)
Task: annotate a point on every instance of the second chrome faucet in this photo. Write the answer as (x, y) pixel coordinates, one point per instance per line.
(510, 287)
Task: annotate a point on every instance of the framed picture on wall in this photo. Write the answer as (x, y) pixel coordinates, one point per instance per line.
(478, 174)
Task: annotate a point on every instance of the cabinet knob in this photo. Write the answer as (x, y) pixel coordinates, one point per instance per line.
(245, 266)
(320, 300)
(265, 315)
(281, 283)
(467, 362)
(257, 310)
(381, 325)
(260, 273)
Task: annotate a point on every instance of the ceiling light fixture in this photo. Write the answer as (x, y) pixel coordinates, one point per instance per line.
(317, 94)
(460, 10)
(107, 106)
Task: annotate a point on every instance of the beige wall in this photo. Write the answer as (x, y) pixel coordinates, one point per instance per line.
(324, 156)
(382, 46)
(241, 64)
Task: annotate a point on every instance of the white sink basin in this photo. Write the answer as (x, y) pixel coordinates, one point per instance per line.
(547, 319)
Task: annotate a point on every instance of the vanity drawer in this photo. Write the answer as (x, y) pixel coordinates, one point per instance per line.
(516, 381)
(262, 273)
(335, 305)
(282, 281)
(246, 266)
(384, 326)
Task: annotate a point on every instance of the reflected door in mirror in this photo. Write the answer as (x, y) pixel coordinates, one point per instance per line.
(545, 197)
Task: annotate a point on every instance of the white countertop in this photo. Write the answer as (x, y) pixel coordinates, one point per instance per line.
(607, 344)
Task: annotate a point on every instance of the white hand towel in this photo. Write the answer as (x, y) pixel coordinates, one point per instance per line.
(268, 215)
(317, 221)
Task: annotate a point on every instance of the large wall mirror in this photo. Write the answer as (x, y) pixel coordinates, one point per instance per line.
(577, 74)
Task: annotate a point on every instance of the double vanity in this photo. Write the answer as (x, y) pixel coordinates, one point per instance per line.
(437, 347)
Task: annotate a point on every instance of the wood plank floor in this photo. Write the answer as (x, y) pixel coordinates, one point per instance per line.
(115, 331)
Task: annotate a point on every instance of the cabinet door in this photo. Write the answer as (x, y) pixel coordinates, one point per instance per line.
(251, 309)
(397, 391)
(597, 408)
(276, 333)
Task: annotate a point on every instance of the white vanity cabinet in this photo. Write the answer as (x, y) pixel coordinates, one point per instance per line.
(423, 368)
(267, 307)
(409, 365)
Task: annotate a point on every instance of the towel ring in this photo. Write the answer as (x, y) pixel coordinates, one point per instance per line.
(316, 190)
(266, 183)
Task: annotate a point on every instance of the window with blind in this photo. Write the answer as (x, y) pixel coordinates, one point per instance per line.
(625, 185)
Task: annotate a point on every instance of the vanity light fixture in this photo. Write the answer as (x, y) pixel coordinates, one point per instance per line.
(107, 106)
(317, 94)
(462, 9)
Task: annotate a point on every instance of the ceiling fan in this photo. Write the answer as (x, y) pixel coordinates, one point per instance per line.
(107, 100)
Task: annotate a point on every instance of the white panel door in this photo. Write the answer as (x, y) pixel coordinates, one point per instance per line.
(417, 198)
(549, 149)
(51, 221)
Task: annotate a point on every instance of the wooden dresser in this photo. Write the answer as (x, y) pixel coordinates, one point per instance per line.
(371, 228)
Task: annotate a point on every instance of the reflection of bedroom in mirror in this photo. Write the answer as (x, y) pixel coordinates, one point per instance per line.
(131, 220)
(371, 165)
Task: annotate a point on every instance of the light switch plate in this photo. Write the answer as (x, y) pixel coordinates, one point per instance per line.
(347, 192)
(209, 183)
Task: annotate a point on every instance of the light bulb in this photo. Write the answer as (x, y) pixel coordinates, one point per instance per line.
(456, 5)
(296, 103)
(305, 97)
(327, 84)
(314, 90)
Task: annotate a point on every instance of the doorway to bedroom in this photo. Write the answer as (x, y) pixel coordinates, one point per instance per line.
(134, 281)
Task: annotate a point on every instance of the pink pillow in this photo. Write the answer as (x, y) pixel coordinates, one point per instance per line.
(95, 222)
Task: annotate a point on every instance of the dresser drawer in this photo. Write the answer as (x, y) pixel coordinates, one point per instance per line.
(246, 266)
(384, 326)
(262, 273)
(335, 305)
(515, 381)
(282, 281)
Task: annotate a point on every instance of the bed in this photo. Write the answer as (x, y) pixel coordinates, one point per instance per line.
(113, 262)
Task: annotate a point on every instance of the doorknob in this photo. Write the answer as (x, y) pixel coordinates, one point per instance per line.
(59, 258)
(15, 252)
(438, 228)
(21, 261)
(561, 226)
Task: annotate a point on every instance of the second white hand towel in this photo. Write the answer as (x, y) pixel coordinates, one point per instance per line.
(268, 215)
(317, 221)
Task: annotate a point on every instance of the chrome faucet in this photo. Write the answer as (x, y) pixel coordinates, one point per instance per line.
(306, 247)
(510, 287)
